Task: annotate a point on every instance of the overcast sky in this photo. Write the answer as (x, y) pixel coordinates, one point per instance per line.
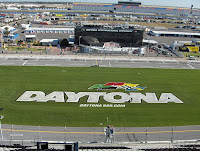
(179, 3)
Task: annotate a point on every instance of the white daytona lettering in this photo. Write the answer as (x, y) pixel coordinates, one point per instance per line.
(93, 97)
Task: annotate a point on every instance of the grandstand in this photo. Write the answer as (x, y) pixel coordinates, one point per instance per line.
(100, 35)
(185, 146)
(133, 9)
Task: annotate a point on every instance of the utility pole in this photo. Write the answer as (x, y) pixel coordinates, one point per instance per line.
(1, 32)
(79, 40)
(1, 117)
(191, 10)
(146, 134)
(172, 137)
(65, 134)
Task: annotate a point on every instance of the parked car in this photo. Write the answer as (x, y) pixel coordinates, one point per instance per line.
(191, 58)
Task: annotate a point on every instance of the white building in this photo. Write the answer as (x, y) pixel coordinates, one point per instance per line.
(48, 42)
(12, 8)
(50, 30)
(174, 34)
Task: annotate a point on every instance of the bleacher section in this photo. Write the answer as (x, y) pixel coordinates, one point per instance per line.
(110, 147)
(133, 9)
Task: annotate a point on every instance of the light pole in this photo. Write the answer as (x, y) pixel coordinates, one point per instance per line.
(1, 117)
(79, 42)
(1, 32)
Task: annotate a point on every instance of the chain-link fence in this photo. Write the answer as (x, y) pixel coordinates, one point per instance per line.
(89, 53)
(14, 134)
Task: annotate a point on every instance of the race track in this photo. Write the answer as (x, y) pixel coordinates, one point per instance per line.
(15, 134)
(102, 62)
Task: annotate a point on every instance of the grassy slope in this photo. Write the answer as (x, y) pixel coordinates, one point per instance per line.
(15, 80)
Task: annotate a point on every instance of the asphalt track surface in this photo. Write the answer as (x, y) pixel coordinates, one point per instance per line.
(77, 61)
(18, 134)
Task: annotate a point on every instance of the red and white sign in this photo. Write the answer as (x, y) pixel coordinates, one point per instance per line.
(111, 45)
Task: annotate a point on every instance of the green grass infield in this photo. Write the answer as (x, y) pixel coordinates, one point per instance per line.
(184, 84)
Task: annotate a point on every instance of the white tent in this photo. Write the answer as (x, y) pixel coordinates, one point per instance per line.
(9, 28)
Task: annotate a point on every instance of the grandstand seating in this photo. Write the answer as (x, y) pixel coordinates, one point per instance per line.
(133, 9)
(111, 148)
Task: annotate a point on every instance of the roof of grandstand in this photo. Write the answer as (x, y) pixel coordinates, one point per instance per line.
(140, 6)
(138, 9)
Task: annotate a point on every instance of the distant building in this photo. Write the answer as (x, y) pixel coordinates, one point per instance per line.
(30, 38)
(12, 8)
(174, 34)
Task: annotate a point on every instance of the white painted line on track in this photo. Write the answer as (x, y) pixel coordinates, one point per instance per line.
(24, 62)
(109, 64)
(190, 66)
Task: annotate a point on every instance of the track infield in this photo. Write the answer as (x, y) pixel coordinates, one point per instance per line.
(14, 81)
